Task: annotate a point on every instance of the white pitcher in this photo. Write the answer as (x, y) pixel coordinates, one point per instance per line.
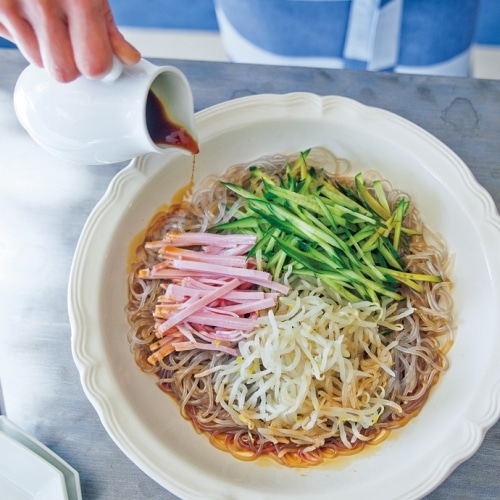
(110, 120)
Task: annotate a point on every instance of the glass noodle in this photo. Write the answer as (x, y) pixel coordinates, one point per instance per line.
(318, 375)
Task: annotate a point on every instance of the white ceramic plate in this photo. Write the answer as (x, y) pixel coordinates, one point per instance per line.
(145, 423)
(70, 475)
(24, 475)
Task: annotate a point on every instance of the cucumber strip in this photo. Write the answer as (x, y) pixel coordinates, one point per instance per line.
(382, 198)
(249, 222)
(259, 175)
(309, 258)
(389, 253)
(335, 195)
(300, 167)
(399, 215)
(403, 275)
(367, 198)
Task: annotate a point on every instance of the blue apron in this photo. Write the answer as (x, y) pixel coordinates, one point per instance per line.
(409, 36)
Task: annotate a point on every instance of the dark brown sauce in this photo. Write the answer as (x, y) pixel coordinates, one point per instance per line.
(138, 240)
(163, 131)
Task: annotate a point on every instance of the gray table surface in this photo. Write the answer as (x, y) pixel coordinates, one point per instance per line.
(44, 203)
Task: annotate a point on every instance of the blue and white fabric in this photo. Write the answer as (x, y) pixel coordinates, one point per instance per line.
(408, 36)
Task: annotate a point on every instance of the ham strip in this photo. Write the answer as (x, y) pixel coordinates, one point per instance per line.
(195, 306)
(195, 239)
(210, 299)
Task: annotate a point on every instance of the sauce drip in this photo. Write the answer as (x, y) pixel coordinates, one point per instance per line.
(163, 131)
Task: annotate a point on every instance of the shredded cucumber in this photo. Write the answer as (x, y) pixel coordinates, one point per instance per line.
(347, 236)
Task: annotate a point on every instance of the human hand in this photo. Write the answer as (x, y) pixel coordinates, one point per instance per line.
(68, 37)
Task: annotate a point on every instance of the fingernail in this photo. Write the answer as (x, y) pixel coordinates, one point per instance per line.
(130, 55)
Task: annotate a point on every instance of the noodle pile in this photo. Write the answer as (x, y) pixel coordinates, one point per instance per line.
(319, 375)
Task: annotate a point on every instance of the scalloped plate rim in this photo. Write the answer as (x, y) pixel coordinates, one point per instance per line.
(134, 175)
